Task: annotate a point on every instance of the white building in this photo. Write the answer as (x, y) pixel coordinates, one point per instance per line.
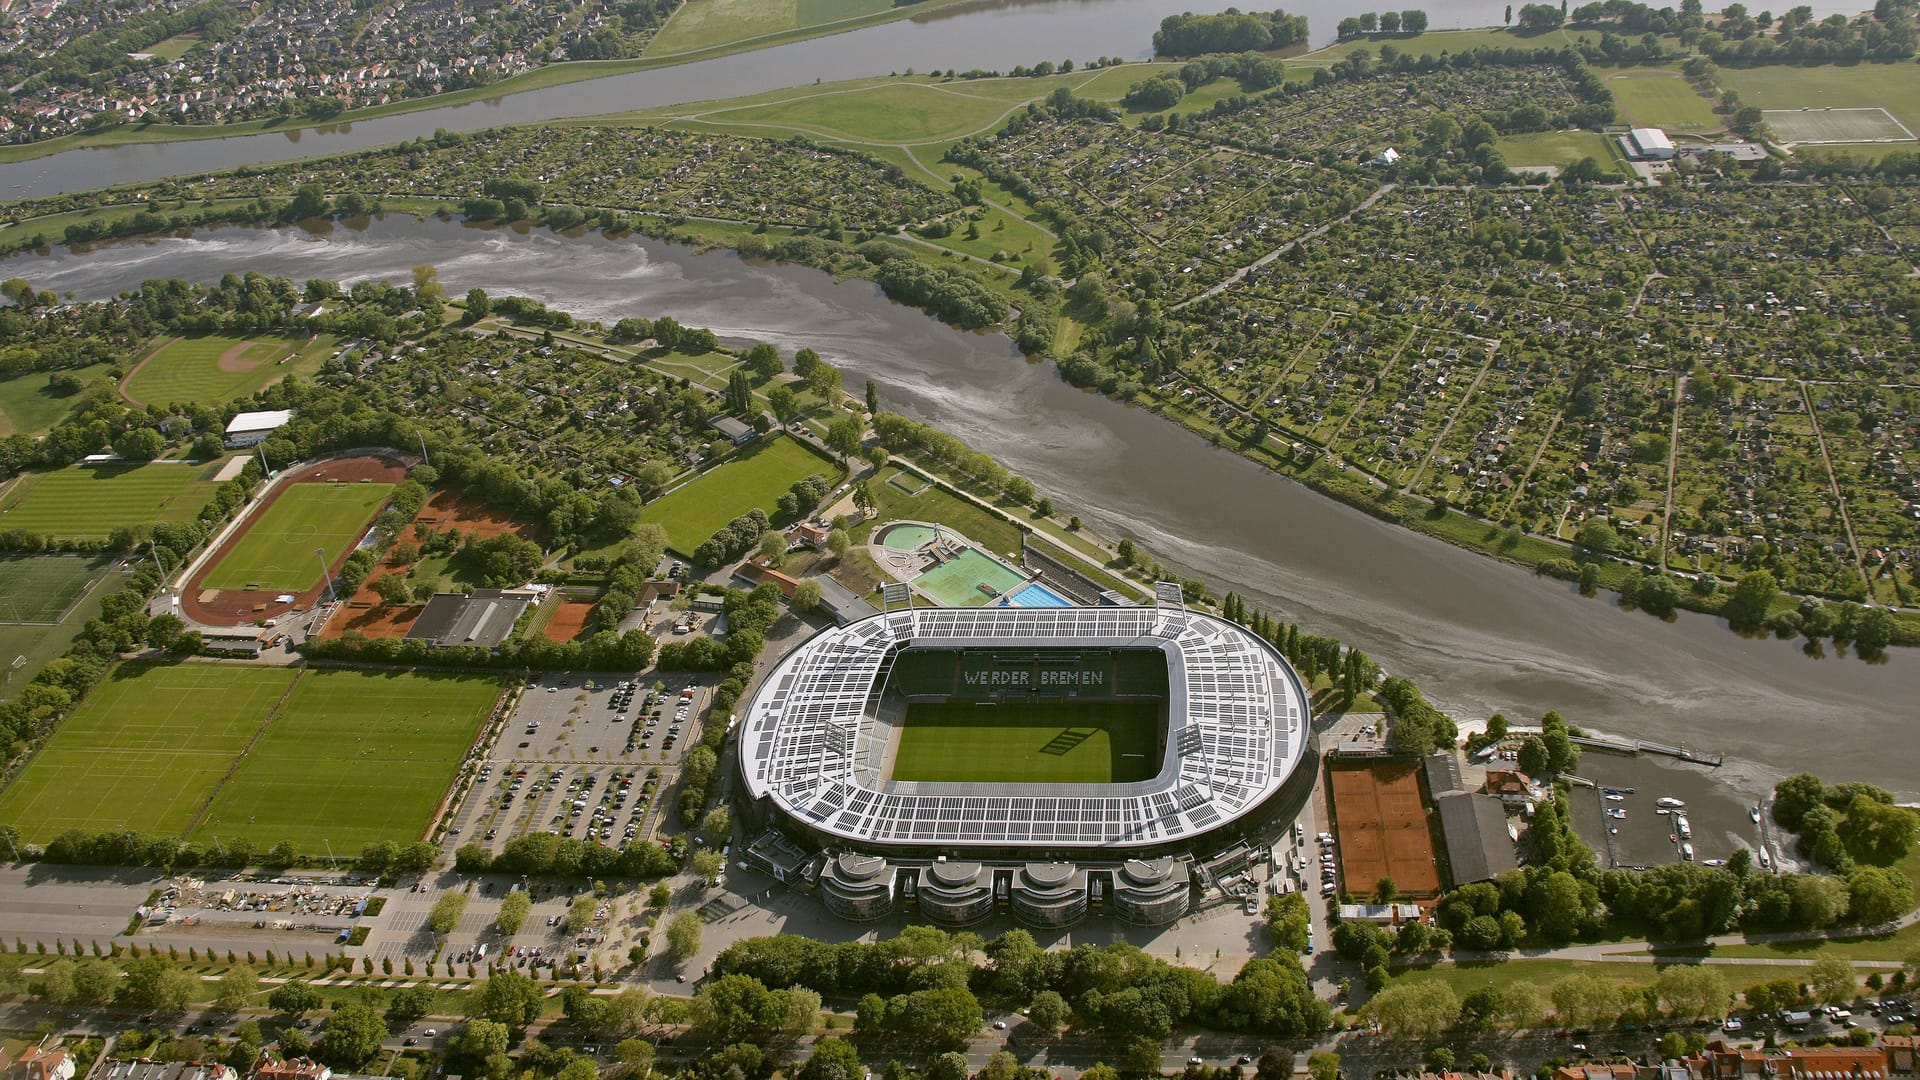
(1651, 143)
(252, 428)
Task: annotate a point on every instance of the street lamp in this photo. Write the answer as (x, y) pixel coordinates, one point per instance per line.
(326, 573)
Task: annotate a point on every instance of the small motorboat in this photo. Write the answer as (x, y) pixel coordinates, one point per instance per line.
(1753, 812)
(1616, 798)
(1670, 801)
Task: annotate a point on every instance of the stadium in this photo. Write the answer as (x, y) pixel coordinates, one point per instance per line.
(1049, 763)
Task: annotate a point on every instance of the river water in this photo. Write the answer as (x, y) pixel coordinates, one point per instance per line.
(993, 34)
(1476, 634)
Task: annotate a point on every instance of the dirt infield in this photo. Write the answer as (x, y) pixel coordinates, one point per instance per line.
(366, 614)
(238, 607)
(234, 361)
(569, 619)
(1381, 827)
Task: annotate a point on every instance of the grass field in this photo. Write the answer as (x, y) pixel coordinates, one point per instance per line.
(213, 368)
(897, 112)
(174, 47)
(703, 24)
(1559, 148)
(28, 406)
(355, 757)
(38, 588)
(277, 551)
(90, 501)
(933, 504)
(1892, 87)
(144, 751)
(1051, 742)
(1835, 125)
(1662, 98)
(759, 477)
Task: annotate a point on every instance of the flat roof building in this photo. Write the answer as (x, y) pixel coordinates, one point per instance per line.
(482, 619)
(1651, 143)
(252, 428)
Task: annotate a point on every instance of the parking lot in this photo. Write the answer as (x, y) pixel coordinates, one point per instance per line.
(584, 758)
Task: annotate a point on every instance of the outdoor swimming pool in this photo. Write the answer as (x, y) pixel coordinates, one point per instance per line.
(956, 583)
(906, 536)
(1037, 595)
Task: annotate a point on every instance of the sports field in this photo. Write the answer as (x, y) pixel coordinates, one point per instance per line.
(29, 405)
(40, 588)
(1381, 825)
(90, 501)
(896, 112)
(1781, 87)
(277, 551)
(144, 751)
(757, 478)
(1662, 98)
(1047, 742)
(354, 757)
(702, 24)
(209, 369)
(1835, 125)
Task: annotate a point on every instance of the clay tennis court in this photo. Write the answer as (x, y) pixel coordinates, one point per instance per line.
(1381, 827)
(569, 619)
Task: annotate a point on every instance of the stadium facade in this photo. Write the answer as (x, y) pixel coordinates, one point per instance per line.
(817, 744)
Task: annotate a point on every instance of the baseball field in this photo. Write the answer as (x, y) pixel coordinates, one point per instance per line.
(278, 550)
(1045, 742)
(209, 369)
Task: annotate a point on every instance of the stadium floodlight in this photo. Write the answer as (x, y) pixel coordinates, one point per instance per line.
(1169, 594)
(332, 593)
(895, 594)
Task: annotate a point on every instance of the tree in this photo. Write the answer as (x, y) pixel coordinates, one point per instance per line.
(636, 1055)
(1748, 604)
(1414, 1009)
(1049, 1012)
(237, 987)
(843, 435)
(580, 913)
(482, 1039)
(1794, 797)
(156, 982)
(717, 826)
(353, 1036)
(406, 1007)
(784, 404)
(94, 981)
(294, 998)
(1584, 1000)
(1323, 1066)
(447, 911)
(951, 1065)
(1693, 991)
(683, 936)
(863, 497)
(1597, 537)
(1819, 900)
(1876, 895)
(513, 912)
(873, 398)
(1533, 756)
(833, 1059)
(1875, 831)
(508, 998)
(1413, 21)
(707, 864)
(1832, 979)
(806, 597)
(393, 590)
(1275, 1063)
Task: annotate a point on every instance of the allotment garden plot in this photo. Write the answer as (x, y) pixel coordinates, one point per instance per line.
(87, 502)
(145, 751)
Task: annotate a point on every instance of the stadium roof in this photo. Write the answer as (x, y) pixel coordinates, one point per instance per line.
(259, 421)
(1237, 729)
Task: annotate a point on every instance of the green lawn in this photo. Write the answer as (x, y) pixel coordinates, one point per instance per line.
(698, 509)
(174, 47)
(189, 370)
(982, 527)
(90, 501)
(1893, 87)
(896, 112)
(1457, 41)
(38, 588)
(277, 550)
(1559, 148)
(145, 750)
(1661, 98)
(704, 24)
(354, 757)
(1050, 742)
(28, 406)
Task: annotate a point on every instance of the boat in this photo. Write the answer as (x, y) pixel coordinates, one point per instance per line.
(1753, 812)
(1713, 862)
(1686, 852)
(1766, 860)
(1682, 826)
(1669, 801)
(1664, 810)
(1616, 798)
(1611, 790)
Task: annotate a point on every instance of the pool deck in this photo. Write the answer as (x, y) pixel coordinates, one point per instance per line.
(940, 549)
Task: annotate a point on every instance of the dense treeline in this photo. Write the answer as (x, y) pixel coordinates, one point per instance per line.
(1116, 990)
(1838, 825)
(1259, 31)
(900, 435)
(604, 651)
(546, 854)
(951, 296)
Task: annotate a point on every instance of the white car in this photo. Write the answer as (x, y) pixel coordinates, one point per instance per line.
(1733, 1024)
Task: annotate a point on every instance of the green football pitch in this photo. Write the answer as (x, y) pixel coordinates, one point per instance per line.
(40, 588)
(339, 758)
(90, 501)
(355, 757)
(1046, 742)
(144, 751)
(277, 551)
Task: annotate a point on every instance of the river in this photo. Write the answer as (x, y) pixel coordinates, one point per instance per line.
(993, 34)
(1477, 635)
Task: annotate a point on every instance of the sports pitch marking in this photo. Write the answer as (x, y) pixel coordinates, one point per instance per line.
(1816, 127)
(277, 551)
(43, 589)
(1049, 742)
